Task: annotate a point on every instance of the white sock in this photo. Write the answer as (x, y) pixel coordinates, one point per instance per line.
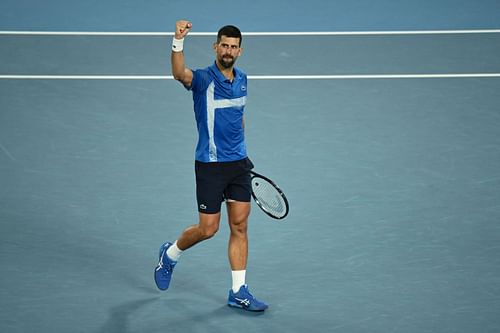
(174, 252)
(238, 279)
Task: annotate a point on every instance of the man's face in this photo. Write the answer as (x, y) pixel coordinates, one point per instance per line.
(227, 50)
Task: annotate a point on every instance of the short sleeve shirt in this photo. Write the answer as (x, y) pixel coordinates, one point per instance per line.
(219, 104)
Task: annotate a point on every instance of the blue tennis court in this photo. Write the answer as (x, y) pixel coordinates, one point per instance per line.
(386, 144)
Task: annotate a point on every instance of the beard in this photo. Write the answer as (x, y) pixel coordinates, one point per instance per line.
(228, 62)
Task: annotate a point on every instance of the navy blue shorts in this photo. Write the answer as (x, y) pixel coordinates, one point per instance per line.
(219, 181)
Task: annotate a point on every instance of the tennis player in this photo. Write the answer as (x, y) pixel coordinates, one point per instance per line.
(222, 167)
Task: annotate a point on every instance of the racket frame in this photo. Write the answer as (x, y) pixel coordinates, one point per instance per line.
(278, 189)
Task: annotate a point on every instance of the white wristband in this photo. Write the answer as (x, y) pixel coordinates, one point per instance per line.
(177, 44)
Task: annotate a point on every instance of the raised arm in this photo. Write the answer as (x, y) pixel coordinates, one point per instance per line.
(179, 70)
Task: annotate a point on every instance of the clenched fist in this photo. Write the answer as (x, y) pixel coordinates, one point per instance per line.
(182, 28)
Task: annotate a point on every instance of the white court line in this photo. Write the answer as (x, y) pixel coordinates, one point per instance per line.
(283, 33)
(255, 77)
(371, 76)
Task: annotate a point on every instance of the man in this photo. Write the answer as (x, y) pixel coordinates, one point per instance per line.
(221, 164)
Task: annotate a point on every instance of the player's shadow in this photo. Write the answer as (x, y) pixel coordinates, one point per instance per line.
(118, 320)
(176, 313)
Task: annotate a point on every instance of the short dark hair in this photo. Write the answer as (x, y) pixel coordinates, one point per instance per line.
(229, 31)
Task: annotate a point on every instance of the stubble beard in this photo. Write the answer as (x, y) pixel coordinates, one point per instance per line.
(227, 64)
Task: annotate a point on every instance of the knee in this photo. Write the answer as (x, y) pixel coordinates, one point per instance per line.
(238, 213)
(239, 226)
(209, 231)
(208, 225)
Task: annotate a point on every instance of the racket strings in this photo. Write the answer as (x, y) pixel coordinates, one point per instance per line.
(268, 197)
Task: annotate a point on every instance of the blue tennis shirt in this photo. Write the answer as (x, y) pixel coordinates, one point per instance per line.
(218, 107)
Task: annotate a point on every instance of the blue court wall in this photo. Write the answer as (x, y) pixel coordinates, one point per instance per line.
(256, 15)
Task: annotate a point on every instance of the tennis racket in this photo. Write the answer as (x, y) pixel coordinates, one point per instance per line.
(269, 197)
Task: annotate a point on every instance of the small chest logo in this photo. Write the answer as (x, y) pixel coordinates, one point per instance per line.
(243, 88)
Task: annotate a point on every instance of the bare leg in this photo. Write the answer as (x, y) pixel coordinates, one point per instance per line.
(206, 228)
(238, 213)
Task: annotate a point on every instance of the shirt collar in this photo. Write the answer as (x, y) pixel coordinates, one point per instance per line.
(221, 77)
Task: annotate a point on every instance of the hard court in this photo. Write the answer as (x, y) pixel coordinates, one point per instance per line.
(381, 123)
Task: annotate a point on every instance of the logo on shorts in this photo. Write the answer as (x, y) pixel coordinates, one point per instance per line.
(243, 88)
(202, 206)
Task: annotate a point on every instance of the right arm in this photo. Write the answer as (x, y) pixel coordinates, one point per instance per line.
(179, 70)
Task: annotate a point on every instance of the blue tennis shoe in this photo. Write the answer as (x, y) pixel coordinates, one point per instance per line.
(165, 268)
(244, 300)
